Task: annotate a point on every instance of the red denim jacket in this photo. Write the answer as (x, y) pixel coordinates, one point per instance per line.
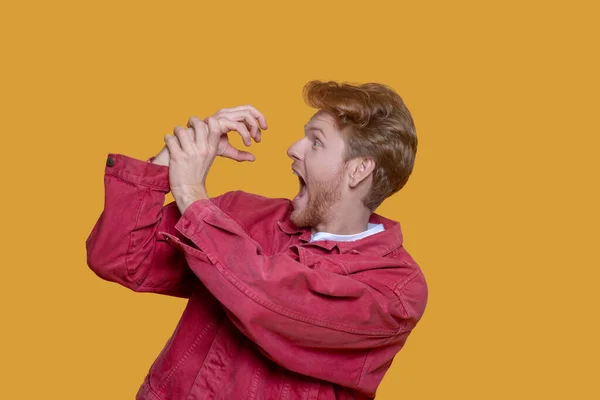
(270, 315)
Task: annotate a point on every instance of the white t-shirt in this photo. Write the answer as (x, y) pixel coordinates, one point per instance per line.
(371, 230)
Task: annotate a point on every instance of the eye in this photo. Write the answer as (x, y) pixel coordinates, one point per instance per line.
(317, 143)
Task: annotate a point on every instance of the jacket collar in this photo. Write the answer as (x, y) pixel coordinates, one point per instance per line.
(379, 244)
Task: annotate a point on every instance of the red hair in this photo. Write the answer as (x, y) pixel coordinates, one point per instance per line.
(375, 124)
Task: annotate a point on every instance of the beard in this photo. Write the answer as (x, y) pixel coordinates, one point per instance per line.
(322, 196)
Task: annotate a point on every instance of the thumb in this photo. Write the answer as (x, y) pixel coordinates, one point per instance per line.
(237, 155)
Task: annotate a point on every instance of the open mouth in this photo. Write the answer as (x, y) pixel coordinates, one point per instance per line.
(302, 184)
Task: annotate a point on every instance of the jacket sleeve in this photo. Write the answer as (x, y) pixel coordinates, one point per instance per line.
(311, 321)
(124, 246)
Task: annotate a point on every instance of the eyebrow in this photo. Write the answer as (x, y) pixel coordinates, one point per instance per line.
(314, 128)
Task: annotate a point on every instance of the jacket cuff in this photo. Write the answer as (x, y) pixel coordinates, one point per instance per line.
(143, 173)
(192, 218)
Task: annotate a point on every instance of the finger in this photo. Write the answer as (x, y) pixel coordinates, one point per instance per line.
(255, 113)
(173, 146)
(237, 155)
(184, 139)
(192, 134)
(229, 125)
(201, 132)
(214, 133)
(246, 117)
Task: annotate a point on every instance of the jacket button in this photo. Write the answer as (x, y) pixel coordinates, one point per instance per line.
(110, 161)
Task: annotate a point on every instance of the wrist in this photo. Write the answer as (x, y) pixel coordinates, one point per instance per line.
(164, 161)
(184, 200)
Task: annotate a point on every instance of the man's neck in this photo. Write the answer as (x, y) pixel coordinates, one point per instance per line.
(345, 220)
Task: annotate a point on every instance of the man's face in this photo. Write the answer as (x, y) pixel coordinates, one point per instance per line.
(318, 162)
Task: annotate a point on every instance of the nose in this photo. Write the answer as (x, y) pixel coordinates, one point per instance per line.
(294, 151)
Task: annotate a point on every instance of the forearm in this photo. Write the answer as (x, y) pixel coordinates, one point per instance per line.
(124, 246)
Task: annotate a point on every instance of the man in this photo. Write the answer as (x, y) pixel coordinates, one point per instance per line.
(303, 299)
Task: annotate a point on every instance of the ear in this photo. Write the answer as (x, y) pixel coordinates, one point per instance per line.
(359, 169)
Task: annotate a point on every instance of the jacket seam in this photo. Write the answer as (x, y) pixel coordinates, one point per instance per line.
(402, 284)
(391, 250)
(153, 393)
(362, 370)
(341, 266)
(254, 384)
(366, 364)
(239, 223)
(205, 213)
(163, 286)
(398, 290)
(130, 273)
(280, 310)
(210, 351)
(187, 353)
(223, 209)
(135, 180)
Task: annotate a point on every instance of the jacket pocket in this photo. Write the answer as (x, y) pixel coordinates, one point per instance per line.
(183, 354)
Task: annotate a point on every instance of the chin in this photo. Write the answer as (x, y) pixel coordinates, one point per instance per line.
(299, 218)
(294, 217)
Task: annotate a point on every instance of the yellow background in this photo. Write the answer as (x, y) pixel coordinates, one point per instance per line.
(501, 211)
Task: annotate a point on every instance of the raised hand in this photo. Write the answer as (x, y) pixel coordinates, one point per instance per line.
(193, 150)
(246, 120)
